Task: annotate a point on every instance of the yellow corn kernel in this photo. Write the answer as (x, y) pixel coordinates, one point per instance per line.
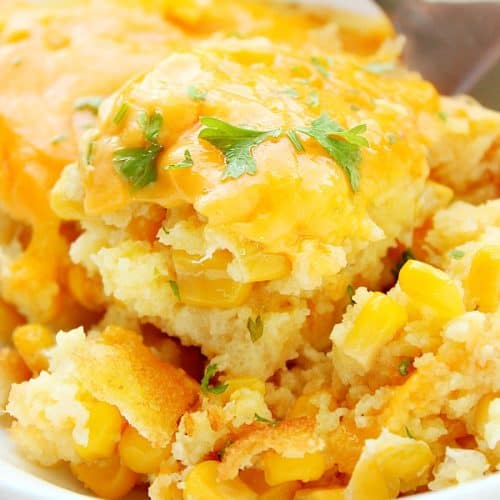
(138, 454)
(202, 484)
(205, 283)
(255, 479)
(30, 341)
(378, 322)
(252, 383)
(9, 320)
(263, 267)
(285, 491)
(303, 407)
(487, 419)
(278, 469)
(320, 494)
(388, 466)
(104, 425)
(86, 290)
(430, 287)
(107, 479)
(483, 282)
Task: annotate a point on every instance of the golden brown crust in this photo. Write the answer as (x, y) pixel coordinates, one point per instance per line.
(290, 438)
(151, 394)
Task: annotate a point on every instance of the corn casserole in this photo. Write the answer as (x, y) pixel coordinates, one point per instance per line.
(244, 254)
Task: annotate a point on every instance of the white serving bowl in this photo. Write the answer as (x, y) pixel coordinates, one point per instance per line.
(22, 480)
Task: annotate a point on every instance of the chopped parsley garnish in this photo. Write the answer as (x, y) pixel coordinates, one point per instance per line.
(391, 137)
(256, 328)
(174, 286)
(206, 388)
(258, 418)
(408, 433)
(58, 139)
(341, 144)
(165, 230)
(186, 163)
(235, 143)
(350, 293)
(403, 366)
(442, 115)
(138, 165)
(320, 66)
(196, 94)
(121, 113)
(294, 139)
(90, 150)
(378, 68)
(313, 99)
(222, 451)
(405, 257)
(457, 254)
(91, 103)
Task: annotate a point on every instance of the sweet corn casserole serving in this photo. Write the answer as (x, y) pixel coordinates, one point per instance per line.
(244, 254)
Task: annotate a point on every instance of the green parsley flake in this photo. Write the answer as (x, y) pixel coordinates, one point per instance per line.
(235, 143)
(167, 232)
(91, 103)
(263, 420)
(294, 139)
(121, 113)
(350, 293)
(138, 165)
(391, 137)
(457, 254)
(58, 139)
(205, 386)
(405, 257)
(175, 288)
(290, 92)
(186, 163)
(403, 366)
(408, 433)
(377, 68)
(222, 451)
(320, 67)
(341, 144)
(196, 94)
(313, 99)
(442, 115)
(90, 151)
(256, 328)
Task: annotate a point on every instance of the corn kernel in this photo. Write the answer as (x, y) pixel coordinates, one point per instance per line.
(263, 267)
(86, 290)
(388, 466)
(285, 491)
(138, 454)
(483, 282)
(235, 384)
(378, 322)
(30, 341)
(255, 479)
(430, 287)
(206, 283)
(278, 469)
(108, 479)
(320, 494)
(487, 419)
(202, 484)
(104, 426)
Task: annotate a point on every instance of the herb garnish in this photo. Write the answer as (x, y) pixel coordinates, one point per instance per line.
(342, 145)
(222, 451)
(442, 115)
(256, 328)
(210, 371)
(186, 163)
(320, 66)
(294, 139)
(196, 94)
(138, 165)
(258, 418)
(120, 114)
(313, 99)
(174, 286)
(457, 254)
(408, 433)
(91, 103)
(235, 143)
(378, 68)
(350, 293)
(405, 257)
(403, 366)
(58, 139)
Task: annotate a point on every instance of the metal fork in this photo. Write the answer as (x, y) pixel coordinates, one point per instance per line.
(455, 45)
